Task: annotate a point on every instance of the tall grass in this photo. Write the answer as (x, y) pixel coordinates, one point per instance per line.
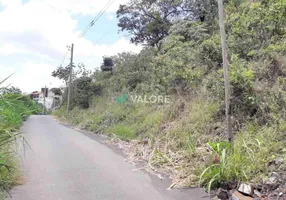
(253, 149)
(14, 108)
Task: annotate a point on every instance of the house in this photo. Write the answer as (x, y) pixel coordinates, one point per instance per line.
(51, 98)
(35, 95)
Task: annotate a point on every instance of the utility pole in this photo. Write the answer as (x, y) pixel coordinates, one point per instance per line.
(54, 102)
(44, 99)
(70, 81)
(225, 70)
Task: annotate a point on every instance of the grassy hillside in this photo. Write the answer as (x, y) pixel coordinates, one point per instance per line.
(187, 137)
(174, 138)
(14, 108)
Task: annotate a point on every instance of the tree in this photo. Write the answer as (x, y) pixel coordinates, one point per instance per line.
(203, 10)
(82, 71)
(10, 90)
(83, 91)
(149, 21)
(57, 91)
(130, 71)
(62, 73)
(107, 64)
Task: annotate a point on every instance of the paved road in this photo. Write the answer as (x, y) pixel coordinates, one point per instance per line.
(68, 165)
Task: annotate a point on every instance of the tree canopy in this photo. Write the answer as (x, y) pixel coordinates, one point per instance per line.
(107, 64)
(149, 21)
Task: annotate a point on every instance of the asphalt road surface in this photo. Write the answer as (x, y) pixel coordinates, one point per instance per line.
(66, 164)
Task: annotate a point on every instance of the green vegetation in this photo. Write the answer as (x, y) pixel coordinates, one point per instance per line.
(14, 108)
(252, 150)
(182, 58)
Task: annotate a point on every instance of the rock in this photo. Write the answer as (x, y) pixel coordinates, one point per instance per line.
(280, 194)
(273, 178)
(273, 181)
(275, 174)
(278, 161)
(223, 186)
(257, 193)
(222, 194)
(246, 189)
(232, 185)
(238, 196)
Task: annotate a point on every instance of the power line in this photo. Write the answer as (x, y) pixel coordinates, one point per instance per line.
(101, 37)
(65, 56)
(97, 17)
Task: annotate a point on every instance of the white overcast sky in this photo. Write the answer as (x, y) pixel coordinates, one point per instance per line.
(34, 35)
